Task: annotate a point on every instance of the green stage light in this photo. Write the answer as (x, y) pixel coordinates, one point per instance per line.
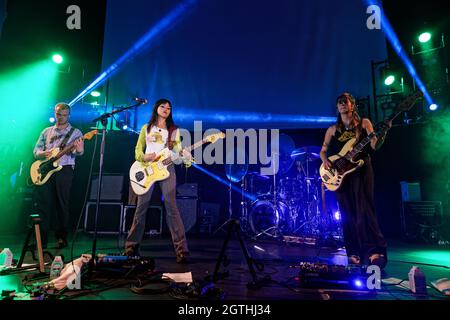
(424, 37)
(390, 79)
(57, 58)
(95, 94)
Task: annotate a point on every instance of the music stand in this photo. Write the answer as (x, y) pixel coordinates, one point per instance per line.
(104, 121)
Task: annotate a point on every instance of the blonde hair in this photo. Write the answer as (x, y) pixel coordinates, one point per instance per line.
(62, 106)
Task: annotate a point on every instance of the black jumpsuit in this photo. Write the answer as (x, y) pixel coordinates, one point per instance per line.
(362, 234)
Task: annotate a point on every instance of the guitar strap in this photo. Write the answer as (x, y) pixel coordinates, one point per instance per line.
(66, 138)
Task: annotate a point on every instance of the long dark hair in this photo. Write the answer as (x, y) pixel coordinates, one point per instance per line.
(356, 119)
(169, 121)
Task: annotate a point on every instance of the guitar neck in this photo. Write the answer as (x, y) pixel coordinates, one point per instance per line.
(358, 148)
(64, 151)
(168, 161)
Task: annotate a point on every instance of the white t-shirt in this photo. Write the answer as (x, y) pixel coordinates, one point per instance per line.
(156, 139)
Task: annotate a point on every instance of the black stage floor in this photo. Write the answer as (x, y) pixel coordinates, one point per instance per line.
(280, 261)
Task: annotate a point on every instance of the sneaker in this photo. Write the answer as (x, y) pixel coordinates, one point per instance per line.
(354, 259)
(182, 258)
(378, 260)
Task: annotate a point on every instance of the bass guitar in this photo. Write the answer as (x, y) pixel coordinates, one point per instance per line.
(345, 161)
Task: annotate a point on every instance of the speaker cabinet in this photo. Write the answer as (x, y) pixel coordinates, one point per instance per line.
(208, 217)
(109, 218)
(188, 211)
(112, 186)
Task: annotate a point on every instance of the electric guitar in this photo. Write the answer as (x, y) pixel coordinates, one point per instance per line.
(42, 170)
(344, 162)
(144, 174)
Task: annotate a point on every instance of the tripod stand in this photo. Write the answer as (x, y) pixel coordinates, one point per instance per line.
(234, 226)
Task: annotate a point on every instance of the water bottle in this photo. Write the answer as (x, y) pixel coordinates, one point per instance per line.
(57, 266)
(6, 257)
(417, 281)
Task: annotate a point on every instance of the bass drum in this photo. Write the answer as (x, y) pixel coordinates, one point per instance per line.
(265, 218)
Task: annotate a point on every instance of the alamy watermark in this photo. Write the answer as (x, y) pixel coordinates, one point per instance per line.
(237, 150)
(374, 20)
(73, 22)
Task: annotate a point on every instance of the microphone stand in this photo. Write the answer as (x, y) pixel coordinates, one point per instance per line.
(104, 120)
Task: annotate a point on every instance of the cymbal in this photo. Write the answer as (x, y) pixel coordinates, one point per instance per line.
(310, 152)
(258, 175)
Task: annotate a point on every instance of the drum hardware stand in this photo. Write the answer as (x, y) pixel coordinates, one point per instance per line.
(234, 227)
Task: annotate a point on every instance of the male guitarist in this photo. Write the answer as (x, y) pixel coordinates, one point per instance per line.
(160, 132)
(363, 239)
(52, 198)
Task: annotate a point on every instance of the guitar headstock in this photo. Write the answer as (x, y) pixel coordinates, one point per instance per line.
(90, 134)
(409, 102)
(214, 137)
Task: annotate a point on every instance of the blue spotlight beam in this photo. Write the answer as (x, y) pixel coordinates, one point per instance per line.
(143, 43)
(395, 42)
(226, 116)
(224, 182)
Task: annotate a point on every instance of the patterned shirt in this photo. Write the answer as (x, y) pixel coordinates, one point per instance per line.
(52, 137)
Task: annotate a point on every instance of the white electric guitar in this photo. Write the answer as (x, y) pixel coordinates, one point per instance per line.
(144, 174)
(42, 170)
(345, 163)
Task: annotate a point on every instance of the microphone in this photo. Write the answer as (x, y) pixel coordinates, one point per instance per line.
(140, 100)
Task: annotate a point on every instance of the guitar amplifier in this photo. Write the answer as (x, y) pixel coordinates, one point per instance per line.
(112, 186)
(421, 220)
(109, 218)
(153, 221)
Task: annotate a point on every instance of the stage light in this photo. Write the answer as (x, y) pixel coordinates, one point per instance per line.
(358, 283)
(95, 94)
(424, 37)
(433, 107)
(337, 216)
(125, 127)
(57, 58)
(398, 48)
(390, 79)
(224, 182)
(51, 119)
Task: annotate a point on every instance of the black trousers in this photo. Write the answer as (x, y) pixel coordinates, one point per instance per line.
(51, 202)
(362, 234)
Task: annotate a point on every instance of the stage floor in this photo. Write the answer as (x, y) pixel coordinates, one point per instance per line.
(280, 261)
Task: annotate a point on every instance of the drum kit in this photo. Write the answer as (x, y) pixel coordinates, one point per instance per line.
(290, 204)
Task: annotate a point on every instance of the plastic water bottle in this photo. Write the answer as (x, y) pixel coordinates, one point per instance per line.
(6, 257)
(417, 281)
(57, 266)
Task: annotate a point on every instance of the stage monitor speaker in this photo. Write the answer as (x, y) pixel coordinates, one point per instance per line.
(421, 220)
(188, 211)
(112, 186)
(410, 191)
(153, 221)
(109, 218)
(208, 217)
